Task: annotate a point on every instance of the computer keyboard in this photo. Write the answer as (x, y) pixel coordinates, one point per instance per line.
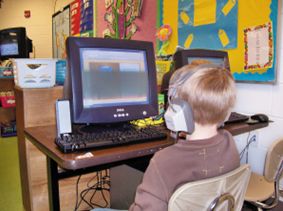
(108, 138)
(236, 117)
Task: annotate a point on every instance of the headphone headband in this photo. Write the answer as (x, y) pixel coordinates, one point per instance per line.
(180, 76)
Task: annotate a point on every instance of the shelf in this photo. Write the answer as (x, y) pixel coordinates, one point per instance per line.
(6, 84)
(7, 114)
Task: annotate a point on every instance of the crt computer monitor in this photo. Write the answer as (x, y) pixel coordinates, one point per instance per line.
(110, 80)
(186, 56)
(14, 43)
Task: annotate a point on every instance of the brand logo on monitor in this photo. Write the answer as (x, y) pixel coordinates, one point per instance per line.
(120, 109)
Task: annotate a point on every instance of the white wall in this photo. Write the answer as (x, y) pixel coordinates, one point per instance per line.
(38, 26)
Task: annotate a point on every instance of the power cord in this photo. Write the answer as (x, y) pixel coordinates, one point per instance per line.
(246, 148)
(77, 192)
(87, 196)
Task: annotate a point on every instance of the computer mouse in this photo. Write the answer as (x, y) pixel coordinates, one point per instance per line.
(260, 117)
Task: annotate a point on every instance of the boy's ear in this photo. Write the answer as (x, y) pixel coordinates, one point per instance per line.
(179, 116)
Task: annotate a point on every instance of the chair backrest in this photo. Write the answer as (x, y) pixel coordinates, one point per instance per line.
(202, 195)
(273, 160)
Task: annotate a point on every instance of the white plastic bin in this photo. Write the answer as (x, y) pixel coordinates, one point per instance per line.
(34, 73)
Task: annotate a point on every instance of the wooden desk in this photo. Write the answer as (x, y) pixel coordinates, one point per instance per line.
(43, 138)
(34, 107)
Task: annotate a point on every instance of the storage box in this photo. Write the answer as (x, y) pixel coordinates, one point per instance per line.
(34, 73)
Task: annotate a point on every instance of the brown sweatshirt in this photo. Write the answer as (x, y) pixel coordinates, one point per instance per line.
(183, 162)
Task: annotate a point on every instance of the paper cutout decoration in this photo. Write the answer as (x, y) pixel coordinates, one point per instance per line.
(188, 41)
(204, 12)
(184, 17)
(136, 7)
(108, 3)
(228, 7)
(163, 34)
(120, 17)
(223, 37)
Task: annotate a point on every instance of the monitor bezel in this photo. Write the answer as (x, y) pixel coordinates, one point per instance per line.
(181, 57)
(73, 82)
(23, 42)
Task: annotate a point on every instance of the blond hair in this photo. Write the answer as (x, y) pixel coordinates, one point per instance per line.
(211, 93)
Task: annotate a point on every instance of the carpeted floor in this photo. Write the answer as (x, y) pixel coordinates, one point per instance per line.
(10, 189)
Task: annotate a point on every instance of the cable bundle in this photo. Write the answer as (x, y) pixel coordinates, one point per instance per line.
(90, 194)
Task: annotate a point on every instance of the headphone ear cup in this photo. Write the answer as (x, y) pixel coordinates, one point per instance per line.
(179, 116)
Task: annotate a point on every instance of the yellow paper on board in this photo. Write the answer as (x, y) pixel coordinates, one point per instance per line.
(223, 37)
(170, 17)
(184, 17)
(228, 7)
(204, 12)
(188, 41)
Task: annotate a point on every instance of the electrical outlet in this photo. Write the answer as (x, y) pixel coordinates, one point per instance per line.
(254, 138)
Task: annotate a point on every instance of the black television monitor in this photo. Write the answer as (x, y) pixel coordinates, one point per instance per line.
(187, 56)
(217, 57)
(110, 80)
(14, 43)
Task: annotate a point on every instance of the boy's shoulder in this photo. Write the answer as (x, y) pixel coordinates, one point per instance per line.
(184, 146)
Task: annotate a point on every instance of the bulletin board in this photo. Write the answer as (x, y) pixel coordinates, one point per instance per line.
(250, 43)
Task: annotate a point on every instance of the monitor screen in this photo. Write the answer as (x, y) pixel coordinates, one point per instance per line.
(112, 72)
(110, 80)
(14, 43)
(7, 49)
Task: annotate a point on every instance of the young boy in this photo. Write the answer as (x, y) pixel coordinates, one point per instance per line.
(207, 152)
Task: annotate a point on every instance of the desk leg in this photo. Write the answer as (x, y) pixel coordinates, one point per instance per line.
(53, 185)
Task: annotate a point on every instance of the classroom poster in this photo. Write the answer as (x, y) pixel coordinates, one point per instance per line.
(258, 47)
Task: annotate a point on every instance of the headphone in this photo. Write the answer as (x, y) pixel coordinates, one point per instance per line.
(179, 114)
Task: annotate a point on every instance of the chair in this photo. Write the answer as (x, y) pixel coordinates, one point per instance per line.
(265, 187)
(225, 192)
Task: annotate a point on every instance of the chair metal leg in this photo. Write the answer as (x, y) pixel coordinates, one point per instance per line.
(219, 200)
